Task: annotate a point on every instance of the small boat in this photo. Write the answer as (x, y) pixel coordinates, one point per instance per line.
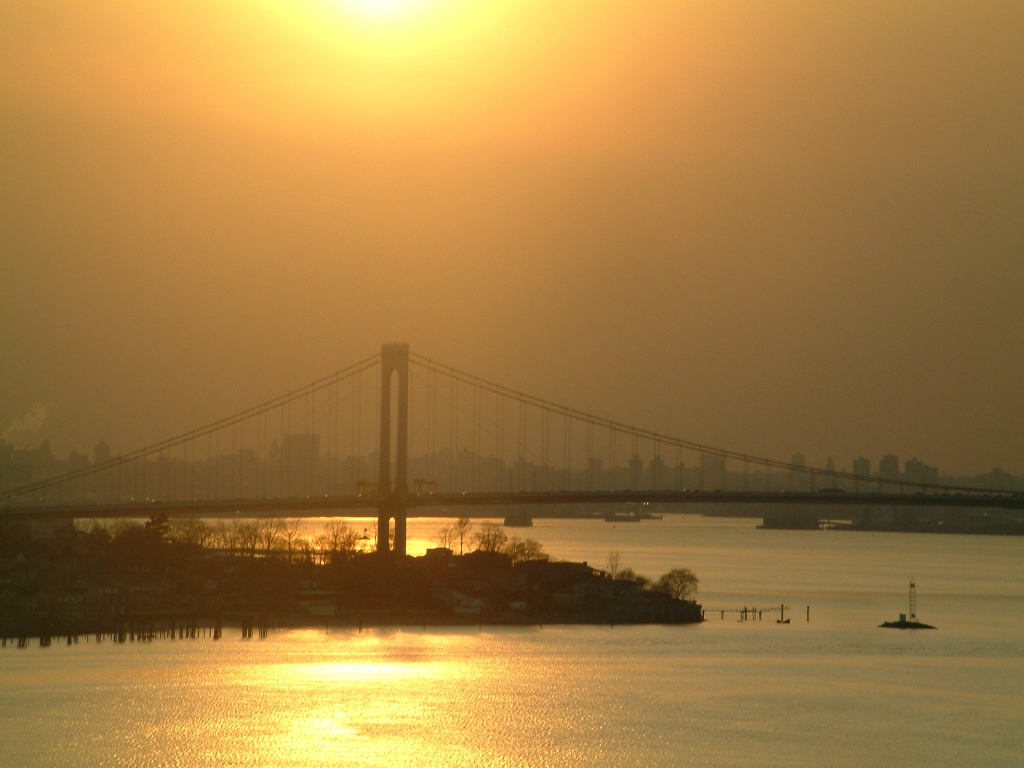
(904, 622)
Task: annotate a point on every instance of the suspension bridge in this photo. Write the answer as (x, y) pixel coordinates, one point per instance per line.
(352, 441)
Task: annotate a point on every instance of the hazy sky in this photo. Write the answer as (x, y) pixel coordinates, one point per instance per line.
(772, 227)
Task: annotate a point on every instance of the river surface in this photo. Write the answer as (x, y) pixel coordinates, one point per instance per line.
(831, 690)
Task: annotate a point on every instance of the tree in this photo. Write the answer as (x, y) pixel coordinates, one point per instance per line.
(614, 565)
(98, 536)
(190, 530)
(290, 534)
(461, 530)
(446, 537)
(340, 539)
(159, 525)
(628, 574)
(321, 548)
(521, 550)
(247, 536)
(304, 548)
(269, 533)
(489, 538)
(679, 583)
(140, 547)
(224, 535)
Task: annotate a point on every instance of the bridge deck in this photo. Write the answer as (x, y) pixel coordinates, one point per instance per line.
(323, 506)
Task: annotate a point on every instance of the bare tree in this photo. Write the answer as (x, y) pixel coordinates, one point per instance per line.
(628, 574)
(303, 550)
(680, 583)
(269, 533)
(191, 530)
(340, 539)
(446, 537)
(224, 535)
(320, 548)
(521, 550)
(246, 536)
(614, 566)
(490, 537)
(461, 528)
(290, 534)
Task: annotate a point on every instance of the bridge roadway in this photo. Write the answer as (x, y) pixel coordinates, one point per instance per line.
(429, 504)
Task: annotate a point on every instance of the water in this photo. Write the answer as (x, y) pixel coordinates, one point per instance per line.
(833, 691)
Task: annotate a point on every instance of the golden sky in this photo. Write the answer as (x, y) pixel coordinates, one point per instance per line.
(773, 227)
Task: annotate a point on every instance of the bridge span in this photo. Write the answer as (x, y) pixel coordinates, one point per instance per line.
(472, 504)
(477, 447)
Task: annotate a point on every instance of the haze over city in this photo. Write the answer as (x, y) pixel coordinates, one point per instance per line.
(775, 228)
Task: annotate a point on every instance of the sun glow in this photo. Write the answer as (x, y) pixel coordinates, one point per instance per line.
(385, 15)
(398, 28)
(381, 9)
(403, 61)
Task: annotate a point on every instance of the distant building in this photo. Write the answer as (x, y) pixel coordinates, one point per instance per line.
(300, 458)
(862, 467)
(798, 479)
(712, 471)
(636, 472)
(919, 472)
(660, 476)
(101, 453)
(889, 467)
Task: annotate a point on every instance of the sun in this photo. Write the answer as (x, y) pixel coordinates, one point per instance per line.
(381, 9)
(387, 35)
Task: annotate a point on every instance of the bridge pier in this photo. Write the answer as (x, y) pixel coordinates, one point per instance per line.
(392, 510)
(394, 361)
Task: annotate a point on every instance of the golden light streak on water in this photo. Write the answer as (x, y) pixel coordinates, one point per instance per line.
(833, 691)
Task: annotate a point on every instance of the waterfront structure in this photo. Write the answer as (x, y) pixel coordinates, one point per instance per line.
(393, 490)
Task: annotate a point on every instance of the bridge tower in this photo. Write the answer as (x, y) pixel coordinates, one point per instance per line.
(393, 491)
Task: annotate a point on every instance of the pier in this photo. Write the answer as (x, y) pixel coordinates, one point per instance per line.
(140, 630)
(753, 613)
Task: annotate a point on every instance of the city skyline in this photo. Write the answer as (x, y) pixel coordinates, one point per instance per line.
(479, 383)
(295, 465)
(766, 227)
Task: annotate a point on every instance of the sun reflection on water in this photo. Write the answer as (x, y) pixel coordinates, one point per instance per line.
(364, 671)
(348, 698)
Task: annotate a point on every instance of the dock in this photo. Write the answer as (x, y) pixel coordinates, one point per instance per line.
(753, 613)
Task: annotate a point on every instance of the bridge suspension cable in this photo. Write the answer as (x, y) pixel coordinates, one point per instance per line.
(211, 432)
(275, 449)
(657, 438)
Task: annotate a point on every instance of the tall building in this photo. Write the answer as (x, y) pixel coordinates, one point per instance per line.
(862, 467)
(300, 459)
(919, 472)
(712, 472)
(660, 475)
(798, 479)
(636, 472)
(101, 453)
(889, 467)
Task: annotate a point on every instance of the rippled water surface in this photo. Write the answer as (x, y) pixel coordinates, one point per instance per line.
(835, 690)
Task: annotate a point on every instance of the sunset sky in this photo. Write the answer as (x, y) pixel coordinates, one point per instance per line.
(767, 226)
